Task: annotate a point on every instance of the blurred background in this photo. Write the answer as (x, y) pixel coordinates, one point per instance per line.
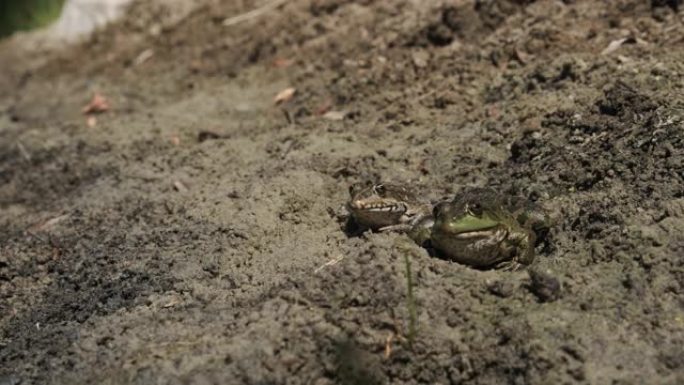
(69, 18)
(17, 15)
(172, 190)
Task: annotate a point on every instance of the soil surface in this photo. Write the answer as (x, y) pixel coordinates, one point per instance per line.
(194, 232)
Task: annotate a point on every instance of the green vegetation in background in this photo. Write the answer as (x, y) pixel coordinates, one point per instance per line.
(16, 15)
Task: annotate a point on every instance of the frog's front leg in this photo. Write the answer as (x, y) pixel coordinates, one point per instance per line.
(406, 223)
(511, 265)
(418, 230)
(538, 221)
(522, 246)
(402, 227)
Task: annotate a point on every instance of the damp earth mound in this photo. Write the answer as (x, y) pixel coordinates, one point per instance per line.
(192, 229)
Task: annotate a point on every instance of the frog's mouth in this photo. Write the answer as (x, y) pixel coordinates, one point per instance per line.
(469, 226)
(378, 206)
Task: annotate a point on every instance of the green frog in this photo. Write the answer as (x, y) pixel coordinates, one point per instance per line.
(391, 207)
(483, 229)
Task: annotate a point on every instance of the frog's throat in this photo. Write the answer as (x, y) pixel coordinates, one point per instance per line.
(379, 206)
(470, 226)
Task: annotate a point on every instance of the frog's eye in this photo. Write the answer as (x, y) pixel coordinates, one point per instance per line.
(438, 208)
(380, 189)
(354, 189)
(474, 209)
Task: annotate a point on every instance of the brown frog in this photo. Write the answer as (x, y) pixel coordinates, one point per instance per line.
(390, 207)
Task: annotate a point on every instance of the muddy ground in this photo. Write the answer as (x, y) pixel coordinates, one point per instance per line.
(194, 234)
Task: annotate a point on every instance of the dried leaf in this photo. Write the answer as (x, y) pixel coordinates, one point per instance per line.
(253, 13)
(420, 59)
(331, 262)
(285, 95)
(335, 115)
(180, 186)
(173, 302)
(388, 345)
(613, 46)
(48, 224)
(282, 62)
(143, 57)
(24, 152)
(97, 105)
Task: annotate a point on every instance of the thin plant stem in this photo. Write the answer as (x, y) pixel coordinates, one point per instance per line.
(411, 303)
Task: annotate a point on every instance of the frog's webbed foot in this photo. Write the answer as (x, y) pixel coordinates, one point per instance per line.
(509, 266)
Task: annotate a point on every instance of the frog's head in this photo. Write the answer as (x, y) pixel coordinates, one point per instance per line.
(468, 216)
(378, 205)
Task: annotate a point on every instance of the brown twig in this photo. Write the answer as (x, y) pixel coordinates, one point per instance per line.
(253, 13)
(388, 345)
(23, 152)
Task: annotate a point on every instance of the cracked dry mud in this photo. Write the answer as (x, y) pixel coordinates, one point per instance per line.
(186, 238)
